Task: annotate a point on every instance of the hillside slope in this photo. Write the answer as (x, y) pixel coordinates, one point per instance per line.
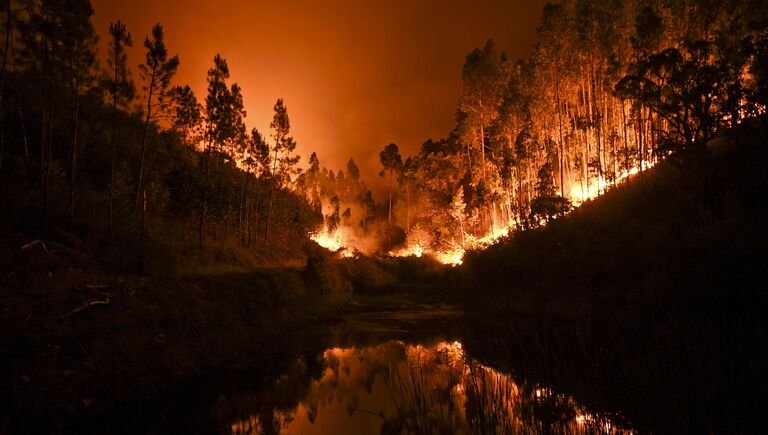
(691, 231)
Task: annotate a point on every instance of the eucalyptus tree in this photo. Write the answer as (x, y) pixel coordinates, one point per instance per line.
(353, 170)
(483, 80)
(312, 181)
(547, 204)
(368, 206)
(553, 53)
(392, 164)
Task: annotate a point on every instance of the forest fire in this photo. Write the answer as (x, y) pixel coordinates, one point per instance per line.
(332, 241)
(152, 174)
(337, 241)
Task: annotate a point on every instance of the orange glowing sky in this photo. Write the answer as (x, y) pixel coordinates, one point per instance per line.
(355, 75)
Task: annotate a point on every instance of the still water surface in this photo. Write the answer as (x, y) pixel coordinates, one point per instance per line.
(395, 373)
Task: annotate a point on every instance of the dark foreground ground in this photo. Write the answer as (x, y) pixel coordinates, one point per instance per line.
(648, 301)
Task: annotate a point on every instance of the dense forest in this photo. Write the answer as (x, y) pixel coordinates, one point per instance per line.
(127, 163)
(611, 88)
(134, 162)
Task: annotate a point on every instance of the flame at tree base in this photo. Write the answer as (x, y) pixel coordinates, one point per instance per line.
(340, 243)
(455, 256)
(332, 241)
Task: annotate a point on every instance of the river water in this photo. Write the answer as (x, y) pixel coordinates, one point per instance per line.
(398, 371)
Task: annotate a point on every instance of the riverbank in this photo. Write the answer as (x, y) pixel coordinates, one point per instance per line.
(80, 341)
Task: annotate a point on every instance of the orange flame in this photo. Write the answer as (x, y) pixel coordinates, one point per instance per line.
(336, 241)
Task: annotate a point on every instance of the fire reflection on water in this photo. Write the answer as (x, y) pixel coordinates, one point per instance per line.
(396, 388)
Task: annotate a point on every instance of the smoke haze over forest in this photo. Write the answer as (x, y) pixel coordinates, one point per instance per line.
(355, 75)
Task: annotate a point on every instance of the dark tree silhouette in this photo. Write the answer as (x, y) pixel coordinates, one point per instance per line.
(121, 91)
(156, 73)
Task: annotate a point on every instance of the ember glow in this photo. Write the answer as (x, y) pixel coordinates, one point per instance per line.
(329, 241)
(333, 241)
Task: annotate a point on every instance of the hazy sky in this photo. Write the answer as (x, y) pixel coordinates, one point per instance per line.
(355, 75)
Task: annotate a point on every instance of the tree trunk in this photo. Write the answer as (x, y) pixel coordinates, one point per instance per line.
(626, 142)
(142, 153)
(114, 148)
(585, 150)
(389, 219)
(112, 174)
(613, 141)
(269, 215)
(23, 126)
(46, 158)
(594, 114)
(2, 125)
(523, 220)
(584, 177)
(226, 228)
(407, 208)
(641, 148)
(482, 145)
(6, 52)
(204, 200)
(560, 125)
(256, 223)
(493, 217)
(243, 215)
(143, 219)
(75, 71)
(73, 168)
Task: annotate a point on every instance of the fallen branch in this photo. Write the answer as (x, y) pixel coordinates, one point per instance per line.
(32, 244)
(84, 306)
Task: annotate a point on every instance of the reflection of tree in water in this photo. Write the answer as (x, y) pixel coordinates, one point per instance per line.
(422, 391)
(431, 390)
(440, 391)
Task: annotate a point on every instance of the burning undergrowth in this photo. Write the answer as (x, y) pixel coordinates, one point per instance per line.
(442, 237)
